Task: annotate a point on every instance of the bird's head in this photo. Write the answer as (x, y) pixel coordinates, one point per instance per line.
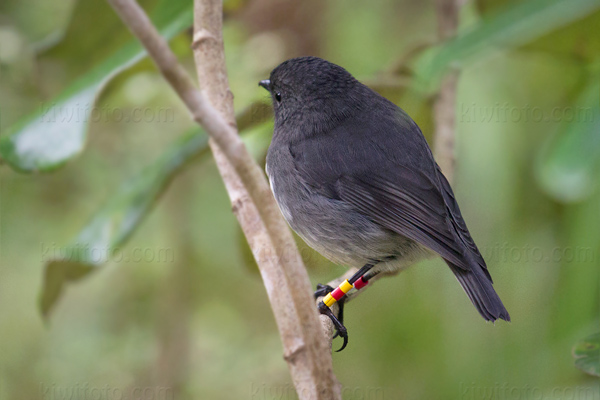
(311, 87)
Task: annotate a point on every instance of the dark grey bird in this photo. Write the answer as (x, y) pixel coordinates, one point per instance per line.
(355, 178)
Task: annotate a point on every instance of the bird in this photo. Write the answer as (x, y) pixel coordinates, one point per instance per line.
(354, 177)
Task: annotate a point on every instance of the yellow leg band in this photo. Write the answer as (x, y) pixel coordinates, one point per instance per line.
(338, 293)
(346, 286)
(329, 300)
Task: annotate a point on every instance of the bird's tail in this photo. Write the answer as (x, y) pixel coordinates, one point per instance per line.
(481, 292)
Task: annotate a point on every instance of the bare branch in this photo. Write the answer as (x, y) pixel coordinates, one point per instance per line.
(445, 102)
(283, 272)
(211, 69)
(445, 120)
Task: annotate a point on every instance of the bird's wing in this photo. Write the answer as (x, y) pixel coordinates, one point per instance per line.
(458, 223)
(406, 206)
(390, 177)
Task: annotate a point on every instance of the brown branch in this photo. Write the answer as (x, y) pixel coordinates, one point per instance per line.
(445, 103)
(281, 267)
(210, 67)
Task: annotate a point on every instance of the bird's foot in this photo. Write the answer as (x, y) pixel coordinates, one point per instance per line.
(322, 290)
(338, 322)
(340, 329)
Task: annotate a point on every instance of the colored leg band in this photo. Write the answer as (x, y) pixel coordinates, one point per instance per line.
(360, 283)
(329, 300)
(338, 293)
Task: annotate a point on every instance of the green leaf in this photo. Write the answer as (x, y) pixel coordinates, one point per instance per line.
(114, 223)
(516, 25)
(567, 168)
(587, 355)
(49, 137)
(571, 41)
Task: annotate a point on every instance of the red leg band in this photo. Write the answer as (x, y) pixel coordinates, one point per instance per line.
(337, 294)
(361, 283)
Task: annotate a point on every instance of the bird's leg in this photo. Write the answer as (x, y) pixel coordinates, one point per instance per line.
(367, 277)
(323, 290)
(337, 295)
(359, 284)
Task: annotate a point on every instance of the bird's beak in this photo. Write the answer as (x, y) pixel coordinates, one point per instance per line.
(266, 84)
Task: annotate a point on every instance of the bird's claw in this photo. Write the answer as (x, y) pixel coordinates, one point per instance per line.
(339, 327)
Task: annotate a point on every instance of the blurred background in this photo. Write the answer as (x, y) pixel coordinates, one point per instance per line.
(119, 248)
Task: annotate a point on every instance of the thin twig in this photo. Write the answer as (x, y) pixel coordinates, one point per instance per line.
(445, 103)
(283, 272)
(210, 66)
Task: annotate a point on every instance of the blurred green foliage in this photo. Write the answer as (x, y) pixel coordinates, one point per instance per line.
(161, 319)
(587, 354)
(55, 133)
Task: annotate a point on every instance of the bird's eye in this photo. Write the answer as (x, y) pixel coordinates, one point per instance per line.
(278, 96)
